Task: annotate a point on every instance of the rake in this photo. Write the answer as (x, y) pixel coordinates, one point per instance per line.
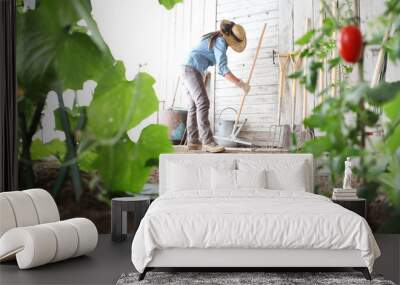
(237, 127)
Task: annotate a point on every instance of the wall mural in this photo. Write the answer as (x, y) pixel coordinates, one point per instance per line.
(97, 161)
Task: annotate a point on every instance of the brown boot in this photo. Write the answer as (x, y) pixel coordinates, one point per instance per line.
(194, 146)
(213, 147)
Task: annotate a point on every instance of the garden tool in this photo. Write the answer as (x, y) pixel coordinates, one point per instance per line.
(280, 133)
(295, 60)
(237, 127)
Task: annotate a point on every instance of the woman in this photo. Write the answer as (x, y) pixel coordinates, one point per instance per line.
(210, 51)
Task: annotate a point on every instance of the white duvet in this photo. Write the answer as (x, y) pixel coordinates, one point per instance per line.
(250, 219)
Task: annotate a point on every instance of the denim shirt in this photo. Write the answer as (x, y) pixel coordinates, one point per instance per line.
(200, 58)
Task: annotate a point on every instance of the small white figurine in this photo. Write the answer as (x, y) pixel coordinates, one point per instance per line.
(347, 174)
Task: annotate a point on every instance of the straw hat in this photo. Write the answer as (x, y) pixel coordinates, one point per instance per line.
(234, 35)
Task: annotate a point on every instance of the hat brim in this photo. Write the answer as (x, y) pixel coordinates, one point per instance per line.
(234, 44)
(231, 41)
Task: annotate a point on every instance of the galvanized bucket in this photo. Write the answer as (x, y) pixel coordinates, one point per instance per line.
(175, 120)
(223, 128)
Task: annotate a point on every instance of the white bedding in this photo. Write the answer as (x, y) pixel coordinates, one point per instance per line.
(250, 219)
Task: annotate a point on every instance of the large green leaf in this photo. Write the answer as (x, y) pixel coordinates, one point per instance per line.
(40, 151)
(50, 44)
(118, 104)
(126, 165)
(84, 8)
(74, 116)
(87, 161)
(79, 59)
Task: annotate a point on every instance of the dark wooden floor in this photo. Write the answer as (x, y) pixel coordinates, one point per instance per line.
(110, 260)
(103, 266)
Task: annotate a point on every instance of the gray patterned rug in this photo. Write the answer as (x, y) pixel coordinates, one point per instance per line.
(243, 278)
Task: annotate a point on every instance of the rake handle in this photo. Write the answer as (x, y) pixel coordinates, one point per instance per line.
(251, 73)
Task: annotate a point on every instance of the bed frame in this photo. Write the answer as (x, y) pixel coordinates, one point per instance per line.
(242, 259)
(246, 258)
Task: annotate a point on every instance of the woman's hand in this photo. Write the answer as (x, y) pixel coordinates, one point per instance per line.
(244, 86)
(239, 83)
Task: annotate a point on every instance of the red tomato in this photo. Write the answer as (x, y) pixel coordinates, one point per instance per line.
(350, 43)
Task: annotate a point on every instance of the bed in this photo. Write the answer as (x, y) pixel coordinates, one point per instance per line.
(247, 210)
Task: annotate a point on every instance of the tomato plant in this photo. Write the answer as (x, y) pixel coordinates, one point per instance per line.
(350, 43)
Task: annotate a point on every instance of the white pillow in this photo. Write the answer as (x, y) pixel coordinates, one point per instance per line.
(282, 174)
(223, 179)
(228, 179)
(186, 175)
(251, 178)
(292, 178)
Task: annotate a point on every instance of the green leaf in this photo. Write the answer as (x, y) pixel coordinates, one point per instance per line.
(78, 59)
(392, 143)
(87, 161)
(84, 8)
(40, 151)
(317, 146)
(392, 108)
(354, 96)
(333, 62)
(306, 38)
(328, 26)
(312, 75)
(391, 180)
(118, 104)
(51, 46)
(296, 74)
(383, 93)
(74, 117)
(169, 4)
(370, 118)
(125, 166)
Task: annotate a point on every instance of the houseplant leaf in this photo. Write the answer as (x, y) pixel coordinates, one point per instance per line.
(74, 117)
(118, 104)
(125, 166)
(52, 43)
(40, 150)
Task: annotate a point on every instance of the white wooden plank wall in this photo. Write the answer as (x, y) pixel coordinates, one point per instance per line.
(260, 104)
(369, 9)
(292, 25)
(181, 30)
